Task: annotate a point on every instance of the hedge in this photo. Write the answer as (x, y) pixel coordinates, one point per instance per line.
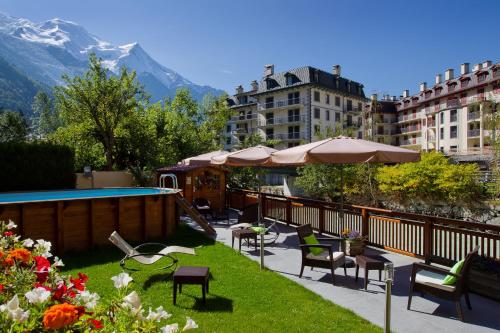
(36, 166)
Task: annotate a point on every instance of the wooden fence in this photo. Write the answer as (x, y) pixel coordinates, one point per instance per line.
(434, 238)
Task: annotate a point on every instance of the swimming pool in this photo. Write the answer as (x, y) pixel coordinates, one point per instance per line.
(38, 196)
(76, 220)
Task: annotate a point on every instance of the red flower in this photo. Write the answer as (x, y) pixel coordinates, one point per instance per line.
(1, 287)
(96, 324)
(59, 292)
(42, 268)
(8, 233)
(79, 284)
(39, 285)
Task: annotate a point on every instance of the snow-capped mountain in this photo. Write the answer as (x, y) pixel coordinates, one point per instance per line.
(47, 50)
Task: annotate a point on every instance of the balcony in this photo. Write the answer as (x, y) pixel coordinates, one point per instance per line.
(473, 116)
(282, 120)
(282, 103)
(453, 103)
(473, 133)
(290, 136)
(407, 117)
(411, 142)
(243, 117)
(409, 129)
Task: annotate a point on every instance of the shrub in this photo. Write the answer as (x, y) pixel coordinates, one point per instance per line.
(36, 166)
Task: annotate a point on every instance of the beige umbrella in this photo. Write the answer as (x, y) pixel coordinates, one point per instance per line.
(248, 157)
(203, 159)
(342, 150)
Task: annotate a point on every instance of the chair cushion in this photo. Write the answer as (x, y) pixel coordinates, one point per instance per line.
(324, 255)
(431, 279)
(259, 230)
(311, 240)
(203, 207)
(456, 269)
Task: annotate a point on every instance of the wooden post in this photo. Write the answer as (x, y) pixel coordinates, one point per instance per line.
(364, 223)
(170, 214)
(144, 215)
(288, 211)
(264, 205)
(91, 224)
(321, 219)
(117, 214)
(59, 227)
(428, 239)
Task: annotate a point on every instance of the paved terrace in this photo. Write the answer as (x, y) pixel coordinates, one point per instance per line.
(427, 314)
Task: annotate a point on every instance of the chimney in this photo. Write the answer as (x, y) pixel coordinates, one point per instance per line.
(464, 68)
(477, 67)
(406, 93)
(438, 78)
(487, 63)
(448, 74)
(336, 70)
(394, 98)
(423, 86)
(268, 70)
(239, 89)
(400, 96)
(254, 85)
(374, 97)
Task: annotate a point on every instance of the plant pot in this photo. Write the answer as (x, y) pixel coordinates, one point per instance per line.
(485, 284)
(354, 247)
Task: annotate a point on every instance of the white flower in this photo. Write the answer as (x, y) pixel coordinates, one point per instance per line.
(28, 242)
(58, 262)
(11, 225)
(190, 324)
(37, 295)
(132, 300)
(121, 280)
(88, 299)
(43, 248)
(158, 315)
(172, 328)
(14, 312)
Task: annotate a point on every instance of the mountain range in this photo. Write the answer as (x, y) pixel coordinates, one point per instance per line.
(34, 56)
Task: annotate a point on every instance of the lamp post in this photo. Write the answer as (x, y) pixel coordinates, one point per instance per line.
(389, 278)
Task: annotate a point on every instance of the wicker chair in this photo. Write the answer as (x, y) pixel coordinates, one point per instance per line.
(203, 206)
(428, 279)
(329, 259)
(249, 214)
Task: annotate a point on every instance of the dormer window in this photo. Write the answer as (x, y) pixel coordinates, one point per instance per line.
(452, 86)
(291, 79)
(271, 83)
(482, 76)
(464, 82)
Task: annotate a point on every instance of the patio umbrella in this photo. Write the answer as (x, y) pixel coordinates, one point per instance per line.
(342, 150)
(203, 159)
(249, 157)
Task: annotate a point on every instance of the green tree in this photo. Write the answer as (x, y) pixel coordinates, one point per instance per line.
(102, 101)
(46, 118)
(13, 126)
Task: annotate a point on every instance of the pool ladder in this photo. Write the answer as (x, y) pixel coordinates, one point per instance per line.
(163, 179)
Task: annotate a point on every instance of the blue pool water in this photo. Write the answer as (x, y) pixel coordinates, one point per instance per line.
(77, 194)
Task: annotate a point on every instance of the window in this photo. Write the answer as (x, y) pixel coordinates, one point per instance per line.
(228, 128)
(228, 140)
(349, 105)
(441, 118)
(316, 113)
(293, 98)
(349, 120)
(243, 99)
(453, 116)
(453, 148)
(269, 118)
(327, 100)
(453, 132)
(317, 130)
(337, 117)
(316, 96)
(360, 106)
(337, 101)
(270, 133)
(327, 112)
(441, 133)
(293, 115)
(289, 80)
(294, 132)
(269, 102)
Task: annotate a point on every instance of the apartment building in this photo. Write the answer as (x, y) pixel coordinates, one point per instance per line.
(447, 116)
(296, 106)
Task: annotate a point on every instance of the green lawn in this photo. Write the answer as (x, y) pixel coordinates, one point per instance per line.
(242, 297)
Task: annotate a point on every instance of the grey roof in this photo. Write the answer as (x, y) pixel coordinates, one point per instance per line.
(310, 75)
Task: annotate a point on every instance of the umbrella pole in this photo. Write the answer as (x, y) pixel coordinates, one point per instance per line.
(260, 223)
(341, 213)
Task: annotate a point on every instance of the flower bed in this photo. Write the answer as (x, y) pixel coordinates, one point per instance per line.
(35, 297)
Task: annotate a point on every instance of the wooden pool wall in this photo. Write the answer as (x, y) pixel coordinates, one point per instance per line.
(79, 224)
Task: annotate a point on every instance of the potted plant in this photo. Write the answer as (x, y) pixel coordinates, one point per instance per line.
(354, 243)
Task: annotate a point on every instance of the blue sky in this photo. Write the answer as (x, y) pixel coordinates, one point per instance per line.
(386, 45)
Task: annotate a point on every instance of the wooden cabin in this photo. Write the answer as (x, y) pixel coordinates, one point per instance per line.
(200, 181)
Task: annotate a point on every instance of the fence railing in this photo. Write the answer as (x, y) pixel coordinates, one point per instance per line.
(443, 240)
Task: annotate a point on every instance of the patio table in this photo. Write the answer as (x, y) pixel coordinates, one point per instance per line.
(370, 263)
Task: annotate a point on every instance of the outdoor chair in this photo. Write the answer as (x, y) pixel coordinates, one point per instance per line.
(429, 279)
(328, 258)
(148, 258)
(203, 206)
(249, 218)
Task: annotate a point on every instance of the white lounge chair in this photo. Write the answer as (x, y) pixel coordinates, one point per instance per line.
(147, 258)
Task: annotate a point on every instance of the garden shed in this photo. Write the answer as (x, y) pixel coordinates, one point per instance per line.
(200, 181)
